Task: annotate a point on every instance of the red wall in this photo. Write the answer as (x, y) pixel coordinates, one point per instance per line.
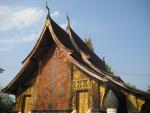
(53, 83)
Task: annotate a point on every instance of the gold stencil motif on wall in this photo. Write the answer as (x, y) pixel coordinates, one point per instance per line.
(82, 94)
(82, 85)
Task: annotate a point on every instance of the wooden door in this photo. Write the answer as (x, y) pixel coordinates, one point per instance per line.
(83, 102)
(27, 102)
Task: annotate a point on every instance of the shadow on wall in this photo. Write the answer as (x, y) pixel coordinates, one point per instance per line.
(146, 106)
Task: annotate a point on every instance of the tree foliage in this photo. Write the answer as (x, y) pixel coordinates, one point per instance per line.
(108, 69)
(148, 89)
(6, 103)
(132, 86)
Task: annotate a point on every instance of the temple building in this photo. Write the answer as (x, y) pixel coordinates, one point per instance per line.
(63, 74)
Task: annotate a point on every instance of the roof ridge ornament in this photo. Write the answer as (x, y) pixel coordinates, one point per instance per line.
(88, 42)
(48, 10)
(68, 24)
(68, 19)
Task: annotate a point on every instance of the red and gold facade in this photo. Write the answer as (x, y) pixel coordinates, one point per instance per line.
(60, 75)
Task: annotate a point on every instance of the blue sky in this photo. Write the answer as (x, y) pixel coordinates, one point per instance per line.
(120, 31)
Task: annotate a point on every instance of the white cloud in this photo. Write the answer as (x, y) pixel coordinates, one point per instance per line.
(19, 17)
(19, 40)
(8, 48)
(8, 44)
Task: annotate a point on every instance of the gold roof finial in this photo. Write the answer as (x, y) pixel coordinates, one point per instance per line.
(88, 42)
(48, 14)
(68, 19)
(68, 24)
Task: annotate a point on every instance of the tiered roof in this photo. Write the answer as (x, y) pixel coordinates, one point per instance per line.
(75, 50)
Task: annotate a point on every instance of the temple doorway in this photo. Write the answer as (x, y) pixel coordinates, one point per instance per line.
(83, 102)
(27, 102)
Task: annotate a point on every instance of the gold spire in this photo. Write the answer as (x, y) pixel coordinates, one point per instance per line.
(68, 24)
(88, 42)
(68, 19)
(48, 10)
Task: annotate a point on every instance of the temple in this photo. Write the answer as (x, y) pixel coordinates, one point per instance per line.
(62, 74)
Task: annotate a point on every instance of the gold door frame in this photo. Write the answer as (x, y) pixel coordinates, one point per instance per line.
(24, 102)
(79, 86)
(79, 99)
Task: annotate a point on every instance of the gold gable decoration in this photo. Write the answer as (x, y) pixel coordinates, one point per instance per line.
(82, 85)
(89, 43)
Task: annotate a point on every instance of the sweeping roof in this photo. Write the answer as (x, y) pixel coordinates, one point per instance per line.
(75, 50)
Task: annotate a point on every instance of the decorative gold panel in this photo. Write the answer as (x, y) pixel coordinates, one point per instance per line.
(83, 102)
(137, 102)
(82, 91)
(133, 100)
(82, 85)
(140, 102)
(27, 102)
(102, 94)
(19, 98)
(78, 75)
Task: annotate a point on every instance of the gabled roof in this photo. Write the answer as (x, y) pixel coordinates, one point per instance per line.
(75, 50)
